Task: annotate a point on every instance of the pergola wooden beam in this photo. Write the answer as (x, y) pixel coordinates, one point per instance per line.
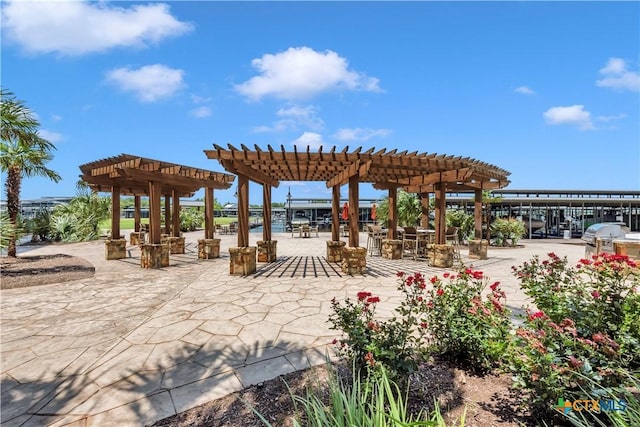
(127, 174)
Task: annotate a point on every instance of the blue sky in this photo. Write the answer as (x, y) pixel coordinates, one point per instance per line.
(546, 90)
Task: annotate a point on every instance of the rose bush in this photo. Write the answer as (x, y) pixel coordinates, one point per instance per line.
(447, 315)
(584, 330)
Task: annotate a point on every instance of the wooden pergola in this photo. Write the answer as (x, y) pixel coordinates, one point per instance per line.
(414, 172)
(137, 176)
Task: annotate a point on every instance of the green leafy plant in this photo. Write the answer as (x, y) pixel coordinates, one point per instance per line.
(372, 401)
(371, 343)
(465, 325)
(507, 231)
(585, 329)
(191, 219)
(464, 222)
(8, 230)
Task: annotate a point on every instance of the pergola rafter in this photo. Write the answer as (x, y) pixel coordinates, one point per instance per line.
(392, 170)
(137, 176)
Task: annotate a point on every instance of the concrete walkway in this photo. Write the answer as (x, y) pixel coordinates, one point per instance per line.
(131, 346)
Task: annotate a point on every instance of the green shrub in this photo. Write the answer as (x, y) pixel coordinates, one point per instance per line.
(369, 343)
(8, 230)
(463, 324)
(507, 232)
(191, 219)
(464, 222)
(585, 330)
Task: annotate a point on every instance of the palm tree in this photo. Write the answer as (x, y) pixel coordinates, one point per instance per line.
(22, 153)
(409, 209)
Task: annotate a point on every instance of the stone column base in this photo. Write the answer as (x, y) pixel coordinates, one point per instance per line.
(208, 248)
(478, 249)
(392, 249)
(354, 260)
(442, 256)
(334, 250)
(115, 249)
(243, 261)
(176, 244)
(267, 250)
(137, 238)
(154, 255)
(628, 248)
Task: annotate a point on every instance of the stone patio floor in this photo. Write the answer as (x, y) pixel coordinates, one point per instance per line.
(131, 346)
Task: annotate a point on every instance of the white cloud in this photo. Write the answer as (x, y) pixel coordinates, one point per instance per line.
(300, 73)
(56, 117)
(201, 112)
(52, 137)
(524, 90)
(294, 117)
(617, 76)
(311, 139)
(611, 118)
(149, 83)
(304, 116)
(573, 115)
(78, 27)
(197, 99)
(359, 134)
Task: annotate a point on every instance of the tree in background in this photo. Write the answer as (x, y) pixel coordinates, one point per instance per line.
(23, 153)
(409, 209)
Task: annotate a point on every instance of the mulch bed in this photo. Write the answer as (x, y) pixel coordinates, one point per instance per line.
(25, 271)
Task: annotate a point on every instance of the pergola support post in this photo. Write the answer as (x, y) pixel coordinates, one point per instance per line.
(154, 254)
(267, 248)
(243, 258)
(137, 236)
(209, 247)
(115, 247)
(442, 253)
(478, 246)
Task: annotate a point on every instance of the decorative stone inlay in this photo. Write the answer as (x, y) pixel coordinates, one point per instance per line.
(137, 237)
(243, 261)
(208, 248)
(392, 249)
(267, 250)
(176, 244)
(354, 260)
(154, 255)
(115, 249)
(442, 256)
(478, 249)
(334, 250)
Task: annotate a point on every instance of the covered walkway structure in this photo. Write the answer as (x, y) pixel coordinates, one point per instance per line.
(414, 172)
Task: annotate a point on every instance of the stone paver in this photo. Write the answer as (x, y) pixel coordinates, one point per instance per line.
(131, 346)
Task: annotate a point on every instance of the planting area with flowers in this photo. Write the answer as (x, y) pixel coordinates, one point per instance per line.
(453, 346)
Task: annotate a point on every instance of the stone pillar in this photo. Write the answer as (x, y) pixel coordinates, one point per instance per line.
(478, 249)
(392, 249)
(136, 238)
(442, 256)
(154, 255)
(208, 248)
(115, 249)
(243, 261)
(354, 260)
(176, 244)
(267, 251)
(334, 250)
(628, 248)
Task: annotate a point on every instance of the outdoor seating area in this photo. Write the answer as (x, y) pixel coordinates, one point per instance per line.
(231, 228)
(305, 231)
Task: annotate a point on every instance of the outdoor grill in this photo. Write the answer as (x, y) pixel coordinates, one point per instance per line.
(600, 236)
